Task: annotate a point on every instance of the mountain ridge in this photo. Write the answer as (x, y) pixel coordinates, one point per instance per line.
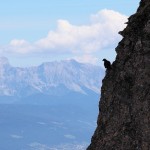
(50, 78)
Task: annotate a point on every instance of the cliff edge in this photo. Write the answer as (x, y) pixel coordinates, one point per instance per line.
(124, 119)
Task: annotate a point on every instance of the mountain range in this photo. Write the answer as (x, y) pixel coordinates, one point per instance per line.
(50, 106)
(50, 79)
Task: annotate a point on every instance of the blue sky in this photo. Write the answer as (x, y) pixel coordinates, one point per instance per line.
(45, 30)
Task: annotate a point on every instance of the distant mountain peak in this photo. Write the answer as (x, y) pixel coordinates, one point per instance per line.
(51, 78)
(3, 60)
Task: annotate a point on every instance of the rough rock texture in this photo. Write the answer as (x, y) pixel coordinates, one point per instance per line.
(124, 119)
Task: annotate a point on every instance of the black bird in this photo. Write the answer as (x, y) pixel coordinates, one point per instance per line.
(107, 64)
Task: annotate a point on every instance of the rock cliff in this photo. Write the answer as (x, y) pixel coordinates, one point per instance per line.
(124, 118)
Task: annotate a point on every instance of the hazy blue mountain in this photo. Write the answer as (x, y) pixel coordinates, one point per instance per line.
(47, 107)
(41, 127)
(53, 79)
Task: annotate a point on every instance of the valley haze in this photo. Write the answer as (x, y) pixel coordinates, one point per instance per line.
(50, 106)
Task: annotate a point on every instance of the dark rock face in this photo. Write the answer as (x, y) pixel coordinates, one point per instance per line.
(124, 119)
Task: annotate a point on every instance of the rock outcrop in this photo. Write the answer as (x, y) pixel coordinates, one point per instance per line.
(124, 118)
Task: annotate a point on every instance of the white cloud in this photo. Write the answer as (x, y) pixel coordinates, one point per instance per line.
(83, 40)
(19, 46)
(16, 136)
(69, 136)
(106, 15)
(86, 59)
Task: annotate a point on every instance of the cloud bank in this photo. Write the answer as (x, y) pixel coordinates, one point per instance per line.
(80, 41)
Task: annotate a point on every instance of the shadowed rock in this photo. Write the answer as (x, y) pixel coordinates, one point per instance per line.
(124, 119)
